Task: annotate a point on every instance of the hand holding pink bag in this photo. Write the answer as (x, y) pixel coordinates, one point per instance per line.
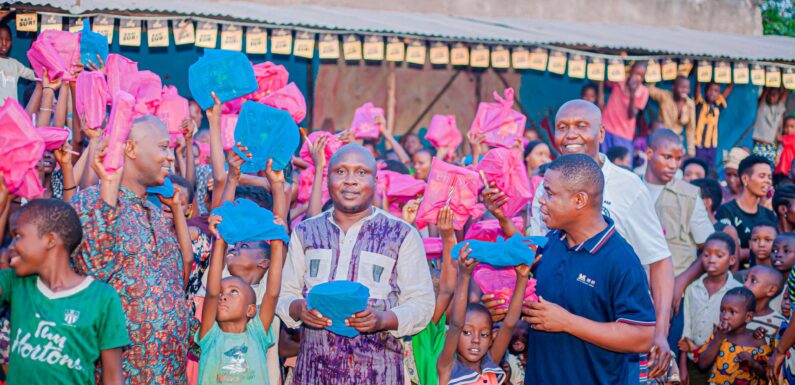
(173, 110)
(288, 98)
(443, 132)
(506, 169)
(449, 185)
(367, 121)
(121, 73)
(55, 51)
(501, 124)
(118, 130)
(91, 97)
(21, 149)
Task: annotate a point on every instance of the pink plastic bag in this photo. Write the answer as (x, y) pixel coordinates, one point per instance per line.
(451, 184)
(270, 77)
(228, 123)
(21, 149)
(91, 97)
(489, 230)
(332, 146)
(117, 130)
(366, 124)
(173, 110)
(63, 43)
(506, 169)
(232, 107)
(121, 73)
(288, 98)
(501, 283)
(443, 132)
(398, 187)
(501, 124)
(148, 89)
(204, 153)
(54, 137)
(433, 247)
(305, 181)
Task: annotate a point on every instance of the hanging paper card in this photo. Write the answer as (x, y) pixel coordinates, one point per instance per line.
(256, 40)
(373, 48)
(577, 67)
(704, 71)
(538, 59)
(653, 72)
(520, 58)
(130, 33)
(616, 71)
(479, 57)
(596, 69)
(773, 77)
(668, 69)
(722, 73)
(103, 25)
(157, 33)
(304, 45)
(440, 54)
(557, 63)
(788, 79)
(395, 49)
(685, 66)
(51, 23)
(500, 57)
(76, 25)
(415, 53)
(757, 75)
(352, 48)
(282, 42)
(184, 32)
(741, 73)
(27, 22)
(231, 37)
(328, 47)
(206, 34)
(459, 55)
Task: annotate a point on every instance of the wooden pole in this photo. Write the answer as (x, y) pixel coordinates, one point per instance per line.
(391, 99)
(310, 96)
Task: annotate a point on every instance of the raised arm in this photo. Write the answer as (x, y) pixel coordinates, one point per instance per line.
(270, 299)
(62, 106)
(211, 298)
(319, 158)
(64, 157)
(457, 315)
(182, 232)
(190, 163)
(708, 356)
(500, 344)
(495, 199)
(449, 271)
(401, 153)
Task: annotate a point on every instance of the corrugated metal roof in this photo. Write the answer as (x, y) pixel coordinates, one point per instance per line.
(674, 40)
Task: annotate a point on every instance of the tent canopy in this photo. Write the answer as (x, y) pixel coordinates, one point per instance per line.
(508, 31)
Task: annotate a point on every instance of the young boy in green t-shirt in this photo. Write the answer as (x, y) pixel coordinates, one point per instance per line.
(62, 323)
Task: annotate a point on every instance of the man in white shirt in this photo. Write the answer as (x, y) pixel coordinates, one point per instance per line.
(357, 242)
(579, 130)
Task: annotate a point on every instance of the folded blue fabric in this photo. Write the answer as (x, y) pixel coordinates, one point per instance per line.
(513, 252)
(91, 45)
(227, 73)
(339, 300)
(165, 190)
(245, 221)
(269, 133)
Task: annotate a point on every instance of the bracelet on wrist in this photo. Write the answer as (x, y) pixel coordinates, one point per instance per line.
(70, 188)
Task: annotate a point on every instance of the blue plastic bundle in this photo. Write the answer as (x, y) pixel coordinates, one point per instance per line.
(91, 45)
(513, 252)
(338, 301)
(229, 74)
(268, 133)
(165, 190)
(245, 221)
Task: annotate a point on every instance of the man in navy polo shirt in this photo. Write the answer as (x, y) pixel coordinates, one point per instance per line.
(594, 305)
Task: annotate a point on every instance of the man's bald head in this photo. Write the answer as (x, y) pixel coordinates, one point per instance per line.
(578, 128)
(661, 137)
(580, 108)
(147, 154)
(582, 174)
(353, 152)
(147, 125)
(351, 179)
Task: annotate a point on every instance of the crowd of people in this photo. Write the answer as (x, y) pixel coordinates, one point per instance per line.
(597, 257)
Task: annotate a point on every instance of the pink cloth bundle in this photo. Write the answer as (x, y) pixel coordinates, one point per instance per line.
(228, 123)
(399, 187)
(488, 231)
(501, 283)
(270, 77)
(148, 90)
(449, 185)
(117, 130)
(54, 137)
(501, 124)
(232, 107)
(172, 111)
(91, 97)
(506, 169)
(364, 124)
(121, 73)
(305, 181)
(433, 247)
(21, 149)
(288, 98)
(204, 153)
(332, 146)
(443, 132)
(55, 51)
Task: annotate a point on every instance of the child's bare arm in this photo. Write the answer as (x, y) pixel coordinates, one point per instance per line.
(35, 100)
(457, 315)
(272, 291)
(182, 233)
(500, 344)
(448, 276)
(708, 356)
(232, 180)
(210, 307)
(112, 373)
(62, 107)
(217, 157)
(318, 150)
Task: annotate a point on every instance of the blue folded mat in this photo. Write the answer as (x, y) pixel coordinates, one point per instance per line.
(91, 45)
(338, 301)
(268, 133)
(510, 253)
(229, 74)
(245, 221)
(165, 190)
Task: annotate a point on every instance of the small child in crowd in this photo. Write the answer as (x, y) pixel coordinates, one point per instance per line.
(761, 243)
(708, 109)
(62, 323)
(787, 149)
(783, 259)
(769, 116)
(766, 283)
(733, 352)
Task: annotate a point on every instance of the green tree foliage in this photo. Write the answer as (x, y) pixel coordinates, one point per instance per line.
(778, 17)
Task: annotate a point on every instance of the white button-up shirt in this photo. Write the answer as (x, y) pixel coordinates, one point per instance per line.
(703, 311)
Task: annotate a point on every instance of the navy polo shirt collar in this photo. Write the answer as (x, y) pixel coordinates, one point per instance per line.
(593, 244)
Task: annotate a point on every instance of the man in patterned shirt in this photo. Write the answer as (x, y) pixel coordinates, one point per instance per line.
(129, 244)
